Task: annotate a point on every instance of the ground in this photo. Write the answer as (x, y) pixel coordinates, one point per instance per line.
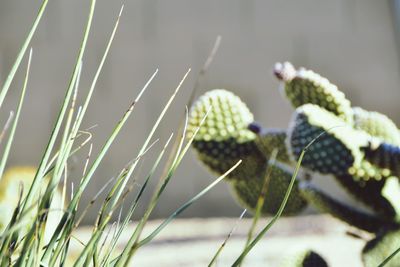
(193, 242)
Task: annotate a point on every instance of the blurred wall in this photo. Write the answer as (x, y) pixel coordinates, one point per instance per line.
(349, 41)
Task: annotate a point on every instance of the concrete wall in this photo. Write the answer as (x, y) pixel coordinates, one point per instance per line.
(351, 42)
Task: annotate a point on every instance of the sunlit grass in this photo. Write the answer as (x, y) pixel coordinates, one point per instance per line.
(30, 248)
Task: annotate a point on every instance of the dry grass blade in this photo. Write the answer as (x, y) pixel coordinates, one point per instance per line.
(189, 103)
(213, 260)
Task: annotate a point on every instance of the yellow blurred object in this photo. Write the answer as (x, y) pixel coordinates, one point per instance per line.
(10, 184)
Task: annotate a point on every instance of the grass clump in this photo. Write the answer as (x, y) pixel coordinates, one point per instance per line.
(22, 240)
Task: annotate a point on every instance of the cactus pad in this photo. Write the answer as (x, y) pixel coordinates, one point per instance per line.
(219, 157)
(335, 151)
(305, 86)
(224, 139)
(248, 191)
(228, 118)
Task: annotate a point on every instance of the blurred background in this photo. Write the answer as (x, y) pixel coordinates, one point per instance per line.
(351, 42)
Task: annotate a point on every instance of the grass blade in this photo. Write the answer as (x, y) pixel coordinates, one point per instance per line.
(189, 103)
(261, 198)
(389, 258)
(14, 126)
(6, 126)
(36, 182)
(186, 205)
(66, 144)
(134, 239)
(135, 203)
(124, 259)
(213, 260)
(85, 180)
(21, 53)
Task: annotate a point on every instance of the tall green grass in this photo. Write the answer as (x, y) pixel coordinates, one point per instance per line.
(21, 247)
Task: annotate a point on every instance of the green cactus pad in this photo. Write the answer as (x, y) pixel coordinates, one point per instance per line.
(247, 192)
(270, 139)
(228, 118)
(335, 152)
(344, 212)
(381, 247)
(307, 258)
(305, 86)
(219, 157)
(369, 193)
(224, 139)
(377, 125)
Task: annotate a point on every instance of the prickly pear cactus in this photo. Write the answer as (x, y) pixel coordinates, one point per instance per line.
(361, 149)
(224, 139)
(305, 86)
(368, 193)
(248, 191)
